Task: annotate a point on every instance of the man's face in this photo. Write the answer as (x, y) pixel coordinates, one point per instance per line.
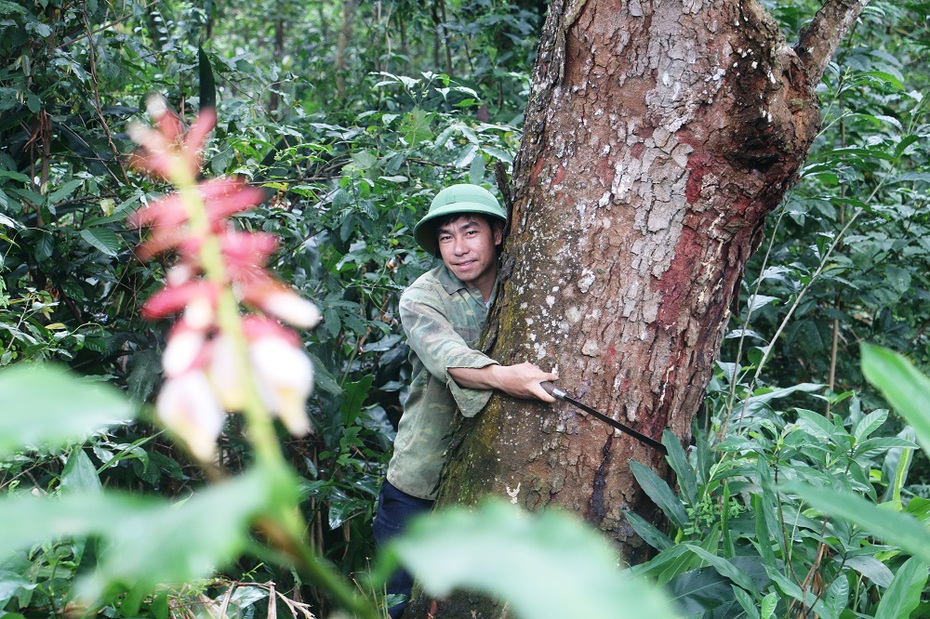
(468, 246)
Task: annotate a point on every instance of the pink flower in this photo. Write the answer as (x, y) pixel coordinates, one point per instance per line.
(210, 362)
(222, 196)
(164, 153)
(173, 299)
(283, 372)
(256, 288)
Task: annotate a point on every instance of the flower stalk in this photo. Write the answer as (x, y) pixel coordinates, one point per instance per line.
(217, 359)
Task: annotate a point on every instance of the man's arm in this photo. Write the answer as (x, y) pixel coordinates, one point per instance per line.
(520, 381)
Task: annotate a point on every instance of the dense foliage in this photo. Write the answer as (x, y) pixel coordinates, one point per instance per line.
(350, 115)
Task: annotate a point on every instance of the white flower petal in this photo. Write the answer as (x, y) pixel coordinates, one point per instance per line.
(187, 407)
(225, 374)
(292, 309)
(181, 351)
(285, 375)
(199, 312)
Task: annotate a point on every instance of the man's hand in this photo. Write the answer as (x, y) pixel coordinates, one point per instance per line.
(520, 381)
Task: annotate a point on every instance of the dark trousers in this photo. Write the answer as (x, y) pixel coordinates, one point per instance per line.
(394, 511)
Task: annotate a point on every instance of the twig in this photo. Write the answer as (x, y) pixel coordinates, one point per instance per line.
(97, 104)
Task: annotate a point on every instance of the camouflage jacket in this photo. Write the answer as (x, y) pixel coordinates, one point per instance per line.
(443, 320)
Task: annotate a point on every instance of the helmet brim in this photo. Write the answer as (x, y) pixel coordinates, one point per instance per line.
(425, 230)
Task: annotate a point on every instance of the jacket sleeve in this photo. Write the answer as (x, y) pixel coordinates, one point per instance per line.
(435, 342)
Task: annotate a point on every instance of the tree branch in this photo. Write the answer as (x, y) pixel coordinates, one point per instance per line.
(818, 41)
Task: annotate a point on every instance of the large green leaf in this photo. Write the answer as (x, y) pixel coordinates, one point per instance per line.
(903, 595)
(646, 530)
(903, 385)
(103, 239)
(545, 566)
(176, 543)
(207, 81)
(660, 493)
(678, 459)
(47, 406)
(147, 541)
(79, 474)
(725, 568)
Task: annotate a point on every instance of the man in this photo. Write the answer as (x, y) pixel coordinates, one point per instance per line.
(443, 313)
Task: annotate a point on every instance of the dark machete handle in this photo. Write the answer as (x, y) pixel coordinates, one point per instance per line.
(552, 390)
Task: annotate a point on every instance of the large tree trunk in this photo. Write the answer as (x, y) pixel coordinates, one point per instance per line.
(659, 136)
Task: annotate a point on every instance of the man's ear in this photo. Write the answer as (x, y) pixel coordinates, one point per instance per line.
(498, 230)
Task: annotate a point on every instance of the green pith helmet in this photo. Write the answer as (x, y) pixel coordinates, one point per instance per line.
(462, 198)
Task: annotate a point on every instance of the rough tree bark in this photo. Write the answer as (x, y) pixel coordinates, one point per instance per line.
(660, 135)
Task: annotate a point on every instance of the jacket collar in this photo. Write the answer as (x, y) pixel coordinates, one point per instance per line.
(452, 284)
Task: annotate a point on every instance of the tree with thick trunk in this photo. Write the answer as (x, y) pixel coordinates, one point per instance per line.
(660, 135)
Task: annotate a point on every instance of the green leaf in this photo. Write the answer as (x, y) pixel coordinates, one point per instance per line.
(768, 606)
(416, 126)
(30, 519)
(7, 222)
(12, 174)
(746, 602)
(912, 177)
(544, 566)
(657, 490)
(869, 424)
(668, 564)
(789, 587)
(885, 78)
(893, 527)
(498, 153)
(47, 406)
(79, 474)
(177, 543)
(44, 247)
(207, 82)
(878, 445)
(148, 541)
(903, 595)
(816, 425)
(476, 171)
(766, 522)
(467, 155)
(903, 385)
(766, 396)
(678, 459)
(104, 239)
(650, 534)
(65, 191)
(758, 301)
(871, 568)
(353, 397)
(725, 568)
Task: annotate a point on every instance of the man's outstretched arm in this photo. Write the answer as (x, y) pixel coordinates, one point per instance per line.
(520, 381)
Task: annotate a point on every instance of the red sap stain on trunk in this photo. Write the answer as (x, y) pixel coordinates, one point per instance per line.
(534, 173)
(697, 168)
(610, 356)
(559, 176)
(674, 286)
